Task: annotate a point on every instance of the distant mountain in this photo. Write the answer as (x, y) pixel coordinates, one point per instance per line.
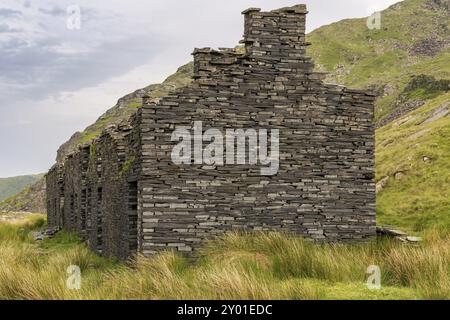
(407, 62)
(30, 199)
(11, 186)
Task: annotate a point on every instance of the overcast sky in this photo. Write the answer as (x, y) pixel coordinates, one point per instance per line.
(56, 80)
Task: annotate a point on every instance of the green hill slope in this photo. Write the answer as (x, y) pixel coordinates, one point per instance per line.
(13, 185)
(414, 40)
(413, 168)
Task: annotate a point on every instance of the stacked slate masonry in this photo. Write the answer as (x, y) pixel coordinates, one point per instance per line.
(124, 194)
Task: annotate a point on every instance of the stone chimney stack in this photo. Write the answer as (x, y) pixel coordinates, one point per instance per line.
(271, 33)
(273, 40)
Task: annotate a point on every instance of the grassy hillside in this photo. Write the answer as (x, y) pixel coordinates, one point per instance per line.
(413, 163)
(414, 40)
(258, 266)
(11, 186)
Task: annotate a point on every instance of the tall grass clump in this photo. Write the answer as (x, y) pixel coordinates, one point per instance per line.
(424, 267)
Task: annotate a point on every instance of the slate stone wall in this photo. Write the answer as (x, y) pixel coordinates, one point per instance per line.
(55, 195)
(124, 193)
(97, 193)
(324, 188)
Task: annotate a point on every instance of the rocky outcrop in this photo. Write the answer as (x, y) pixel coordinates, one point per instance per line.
(386, 231)
(438, 5)
(419, 89)
(428, 47)
(400, 111)
(438, 113)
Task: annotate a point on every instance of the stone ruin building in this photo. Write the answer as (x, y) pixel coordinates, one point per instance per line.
(123, 194)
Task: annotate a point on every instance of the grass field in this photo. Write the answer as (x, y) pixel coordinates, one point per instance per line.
(257, 266)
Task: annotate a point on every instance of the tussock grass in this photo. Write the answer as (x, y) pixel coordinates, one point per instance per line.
(237, 266)
(425, 268)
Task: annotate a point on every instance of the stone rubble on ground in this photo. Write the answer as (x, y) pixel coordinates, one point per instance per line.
(386, 231)
(48, 233)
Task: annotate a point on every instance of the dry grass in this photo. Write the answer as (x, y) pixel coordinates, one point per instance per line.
(250, 266)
